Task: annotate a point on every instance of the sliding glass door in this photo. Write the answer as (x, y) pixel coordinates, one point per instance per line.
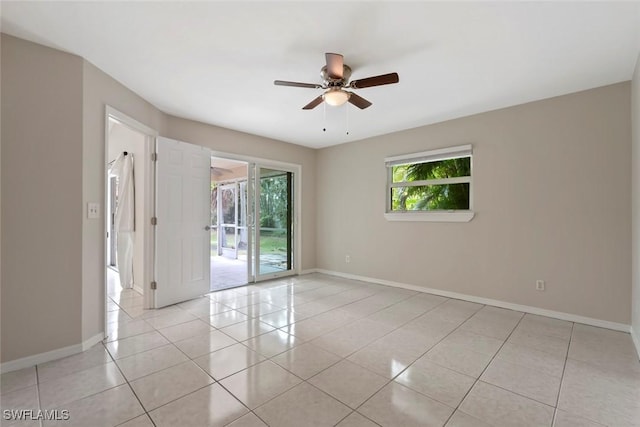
(273, 225)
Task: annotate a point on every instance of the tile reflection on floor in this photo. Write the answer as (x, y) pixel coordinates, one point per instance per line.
(319, 350)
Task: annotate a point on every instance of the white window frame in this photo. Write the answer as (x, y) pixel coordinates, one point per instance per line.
(423, 157)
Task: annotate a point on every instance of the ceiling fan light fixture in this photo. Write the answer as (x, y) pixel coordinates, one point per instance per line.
(336, 97)
(335, 78)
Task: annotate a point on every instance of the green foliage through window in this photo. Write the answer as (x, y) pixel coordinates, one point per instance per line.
(273, 199)
(412, 191)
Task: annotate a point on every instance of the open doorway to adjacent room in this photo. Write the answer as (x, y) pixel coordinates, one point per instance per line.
(229, 223)
(128, 201)
(125, 198)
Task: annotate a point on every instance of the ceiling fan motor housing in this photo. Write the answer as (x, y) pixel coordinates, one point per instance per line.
(331, 82)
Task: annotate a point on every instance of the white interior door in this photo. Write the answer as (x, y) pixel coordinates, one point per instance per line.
(183, 221)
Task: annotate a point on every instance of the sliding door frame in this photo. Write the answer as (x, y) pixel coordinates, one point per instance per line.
(296, 169)
(258, 276)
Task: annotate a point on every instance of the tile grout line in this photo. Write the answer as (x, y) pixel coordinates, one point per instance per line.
(334, 308)
(38, 392)
(348, 303)
(305, 381)
(377, 339)
(302, 381)
(130, 388)
(189, 359)
(485, 368)
(77, 372)
(516, 363)
(146, 412)
(256, 415)
(267, 401)
(102, 391)
(353, 411)
(343, 358)
(438, 342)
(514, 392)
(564, 368)
(528, 397)
(422, 355)
(563, 372)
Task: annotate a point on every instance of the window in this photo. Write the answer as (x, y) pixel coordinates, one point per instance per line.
(430, 186)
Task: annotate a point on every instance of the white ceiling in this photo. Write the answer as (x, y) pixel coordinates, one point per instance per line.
(216, 61)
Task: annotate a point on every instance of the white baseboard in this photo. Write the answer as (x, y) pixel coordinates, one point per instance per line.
(308, 271)
(138, 289)
(497, 303)
(36, 359)
(635, 336)
(90, 342)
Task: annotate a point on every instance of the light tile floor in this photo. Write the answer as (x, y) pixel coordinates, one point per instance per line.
(322, 351)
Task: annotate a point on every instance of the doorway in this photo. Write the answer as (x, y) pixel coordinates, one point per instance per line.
(252, 222)
(127, 138)
(125, 192)
(229, 226)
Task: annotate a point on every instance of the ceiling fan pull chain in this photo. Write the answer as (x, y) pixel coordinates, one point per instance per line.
(346, 107)
(324, 120)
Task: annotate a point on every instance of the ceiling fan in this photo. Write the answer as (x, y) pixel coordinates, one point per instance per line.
(335, 76)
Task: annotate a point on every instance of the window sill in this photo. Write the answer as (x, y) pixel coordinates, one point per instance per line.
(442, 216)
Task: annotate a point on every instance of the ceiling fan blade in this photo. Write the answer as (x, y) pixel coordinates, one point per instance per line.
(313, 104)
(296, 84)
(358, 101)
(335, 65)
(384, 79)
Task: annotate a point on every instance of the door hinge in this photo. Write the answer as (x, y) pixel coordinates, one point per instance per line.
(154, 220)
(154, 285)
(154, 157)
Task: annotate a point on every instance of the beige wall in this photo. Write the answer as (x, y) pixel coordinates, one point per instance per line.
(551, 193)
(42, 206)
(635, 142)
(232, 142)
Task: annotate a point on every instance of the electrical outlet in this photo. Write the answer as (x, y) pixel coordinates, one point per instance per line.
(347, 259)
(539, 285)
(93, 210)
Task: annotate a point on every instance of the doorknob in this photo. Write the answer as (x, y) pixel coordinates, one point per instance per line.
(207, 227)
